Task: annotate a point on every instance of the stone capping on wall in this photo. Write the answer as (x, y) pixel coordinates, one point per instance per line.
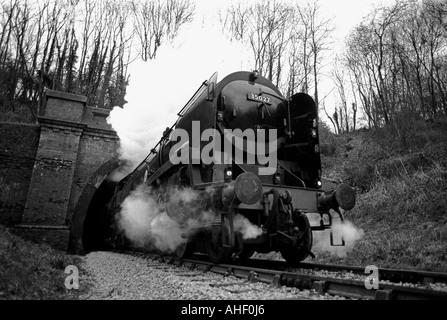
(100, 112)
(79, 127)
(100, 131)
(95, 134)
(61, 123)
(65, 95)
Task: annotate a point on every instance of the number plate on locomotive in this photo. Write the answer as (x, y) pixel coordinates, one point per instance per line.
(257, 98)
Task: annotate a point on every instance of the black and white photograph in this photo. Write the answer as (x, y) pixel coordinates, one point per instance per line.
(223, 159)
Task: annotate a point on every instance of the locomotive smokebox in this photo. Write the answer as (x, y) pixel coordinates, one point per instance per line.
(343, 196)
(247, 188)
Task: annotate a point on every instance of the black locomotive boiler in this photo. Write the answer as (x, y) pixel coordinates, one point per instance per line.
(277, 203)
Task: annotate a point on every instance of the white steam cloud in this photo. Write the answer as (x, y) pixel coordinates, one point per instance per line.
(145, 221)
(245, 227)
(144, 218)
(346, 230)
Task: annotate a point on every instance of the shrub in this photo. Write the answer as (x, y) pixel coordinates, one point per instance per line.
(328, 140)
(360, 165)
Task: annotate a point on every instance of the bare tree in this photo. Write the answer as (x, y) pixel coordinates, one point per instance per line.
(317, 34)
(280, 35)
(265, 28)
(338, 76)
(76, 46)
(157, 21)
(396, 58)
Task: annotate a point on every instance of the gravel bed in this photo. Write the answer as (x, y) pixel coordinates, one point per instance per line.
(125, 277)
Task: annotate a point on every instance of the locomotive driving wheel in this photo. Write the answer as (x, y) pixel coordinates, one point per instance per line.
(294, 253)
(184, 250)
(217, 250)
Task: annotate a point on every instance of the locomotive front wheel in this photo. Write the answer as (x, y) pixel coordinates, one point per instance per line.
(217, 251)
(296, 253)
(184, 250)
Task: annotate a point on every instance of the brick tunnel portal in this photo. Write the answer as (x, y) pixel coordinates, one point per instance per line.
(92, 223)
(98, 229)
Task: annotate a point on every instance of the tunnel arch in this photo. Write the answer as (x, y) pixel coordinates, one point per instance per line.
(97, 187)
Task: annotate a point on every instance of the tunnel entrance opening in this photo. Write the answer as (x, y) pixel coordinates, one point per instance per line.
(97, 229)
(90, 213)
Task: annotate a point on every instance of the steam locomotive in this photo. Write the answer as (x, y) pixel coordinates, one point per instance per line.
(275, 198)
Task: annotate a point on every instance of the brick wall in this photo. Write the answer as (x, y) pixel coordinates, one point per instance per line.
(94, 150)
(50, 188)
(18, 147)
(48, 168)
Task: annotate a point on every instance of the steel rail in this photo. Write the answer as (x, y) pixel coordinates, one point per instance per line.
(320, 284)
(393, 275)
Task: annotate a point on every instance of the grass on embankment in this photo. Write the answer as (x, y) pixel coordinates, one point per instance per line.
(401, 182)
(31, 271)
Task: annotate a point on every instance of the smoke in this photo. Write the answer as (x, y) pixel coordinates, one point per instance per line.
(245, 227)
(145, 224)
(346, 231)
(145, 221)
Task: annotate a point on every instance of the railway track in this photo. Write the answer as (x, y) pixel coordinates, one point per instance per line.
(335, 280)
(386, 275)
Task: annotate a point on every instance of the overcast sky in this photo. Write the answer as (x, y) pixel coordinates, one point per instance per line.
(159, 88)
(199, 50)
(346, 13)
(203, 36)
